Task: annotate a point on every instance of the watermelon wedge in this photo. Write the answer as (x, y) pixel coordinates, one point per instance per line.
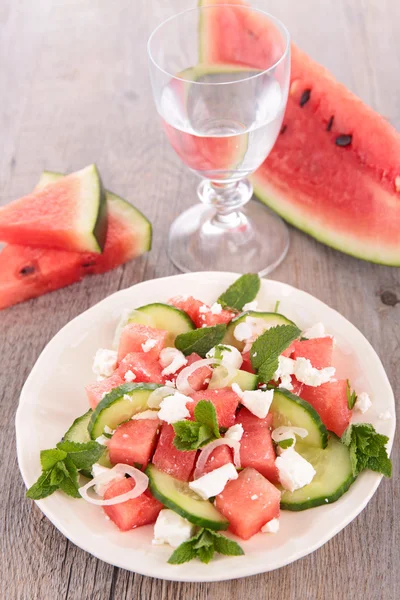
(27, 272)
(67, 214)
(334, 171)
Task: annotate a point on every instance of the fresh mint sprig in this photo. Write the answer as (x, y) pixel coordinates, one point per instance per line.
(203, 546)
(267, 348)
(367, 449)
(351, 396)
(242, 291)
(61, 466)
(200, 340)
(191, 435)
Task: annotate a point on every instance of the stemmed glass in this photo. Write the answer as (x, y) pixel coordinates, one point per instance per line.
(222, 114)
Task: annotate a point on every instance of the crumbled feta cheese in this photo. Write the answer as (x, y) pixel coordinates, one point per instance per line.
(235, 432)
(229, 355)
(145, 414)
(108, 430)
(105, 362)
(216, 309)
(363, 402)
(213, 482)
(385, 416)
(249, 329)
(149, 345)
(250, 306)
(242, 332)
(97, 470)
(294, 471)
(284, 372)
(102, 440)
(170, 384)
(173, 408)
(257, 402)
(286, 433)
(171, 360)
(170, 528)
(306, 373)
(129, 376)
(271, 527)
(316, 331)
(203, 309)
(254, 497)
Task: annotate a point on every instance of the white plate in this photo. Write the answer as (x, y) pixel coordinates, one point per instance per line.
(54, 395)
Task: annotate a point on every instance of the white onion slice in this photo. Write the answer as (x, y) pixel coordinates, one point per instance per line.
(141, 484)
(156, 397)
(207, 450)
(182, 381)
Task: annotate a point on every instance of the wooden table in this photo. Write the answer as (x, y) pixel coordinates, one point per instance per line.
(74, 89)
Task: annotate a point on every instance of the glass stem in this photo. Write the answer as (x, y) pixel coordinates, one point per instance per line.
(227, 199)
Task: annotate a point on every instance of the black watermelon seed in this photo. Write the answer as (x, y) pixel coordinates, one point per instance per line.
(28, 270)
(330, 123)
(283, 129)
(305, 97)
(343, 140)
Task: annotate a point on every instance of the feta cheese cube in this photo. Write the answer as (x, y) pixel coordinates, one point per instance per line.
(316, 331)
(129, 376)
(149, 345)
(306, 373)
(235, 432)
(242, 332)
(213, 483)
(271, 527)
(173, 408)
(216, 308)
(172, 360)
(284, 372)
(203, 309)
(257, 402)
(363, 403)
(294, 471)
(229, 355)
(170, 528)
(105, 362)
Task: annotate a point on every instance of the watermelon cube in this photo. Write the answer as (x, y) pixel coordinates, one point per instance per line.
(135, 337)
(134, 442)
(289, 350)
(256, 447)
(248, 502)
(225, 401)
(330, 402)
(222, 455)
(169, 459)
(96, 391)
(201, 313)
(318, 351)
(200, 379)
(246, 364)
(145, 368)
(133, 513)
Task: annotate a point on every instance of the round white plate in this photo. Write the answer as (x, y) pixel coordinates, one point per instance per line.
(54, 395)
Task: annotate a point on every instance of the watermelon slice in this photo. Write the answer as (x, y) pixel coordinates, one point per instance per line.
(256, 447)
(134, 338)
(69, 214)
(27, 272)
(96, 391)
(139, 511)
(334, 171)
(318, 351)
(200, 313)
(134, 442)
(167, 458)
(225, 401)
(222, 455)
(145, 368)
(330, 402)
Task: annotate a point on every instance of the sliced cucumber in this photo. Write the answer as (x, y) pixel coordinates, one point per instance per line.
(119, 405)
(270, 318)
(78, 432)
(288, 409)
(333, 476)
(245, 380)
(163, 316)
(178, 496)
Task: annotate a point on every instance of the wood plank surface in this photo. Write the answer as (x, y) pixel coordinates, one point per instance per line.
(74, 89)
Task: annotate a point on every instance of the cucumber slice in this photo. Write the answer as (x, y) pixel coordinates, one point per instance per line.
(163, 316)
(333, 476)
(119, 405)
(178, 496)
(288, 409)
(271, 319)
(78, 432)
(245, 380)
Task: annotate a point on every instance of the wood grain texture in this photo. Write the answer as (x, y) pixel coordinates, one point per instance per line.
(74, 89)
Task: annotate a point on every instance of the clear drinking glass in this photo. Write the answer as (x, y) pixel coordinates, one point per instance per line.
(222, 117)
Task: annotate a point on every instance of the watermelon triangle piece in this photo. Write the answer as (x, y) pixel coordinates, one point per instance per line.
(68, 214)
(334, 171)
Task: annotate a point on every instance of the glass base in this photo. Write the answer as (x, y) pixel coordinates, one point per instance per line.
(257, 243)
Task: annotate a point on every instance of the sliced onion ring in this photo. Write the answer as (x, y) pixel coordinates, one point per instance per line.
(182, 381)
(207, 450)
(156, 397)
(141, 484)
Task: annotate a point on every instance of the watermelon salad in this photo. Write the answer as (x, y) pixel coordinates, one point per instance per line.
(204, 419)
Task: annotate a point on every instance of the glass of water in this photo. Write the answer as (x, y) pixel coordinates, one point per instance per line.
(222, 113)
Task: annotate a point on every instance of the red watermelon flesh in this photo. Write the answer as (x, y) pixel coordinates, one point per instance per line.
(246, 364)
(69, 214)
(139, 511)
(169, 459)
(199, 312)
(222, 455)
(27, 272)
(96, 391)
(318, 351)
(256, 447)
(134, 336)
(330, 402)
(200, 379)
(225, 401)
(334, 171)
(145, 369)
(251, 422)
(134, 442)
(249, 502)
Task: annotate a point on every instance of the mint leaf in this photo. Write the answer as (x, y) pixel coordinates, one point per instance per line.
(367, 449)
(205, 413)
(224, 545)
(42, 488)
(267, 348)
(219, 349)
(58, 473)
(49, 458)
(200, 340)
(82, 455)
(206, 553)
(185, 552)
(277, 303)
(190, 435)
(203, 545)
(285, 443)
(242, 291)
(351, 396)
